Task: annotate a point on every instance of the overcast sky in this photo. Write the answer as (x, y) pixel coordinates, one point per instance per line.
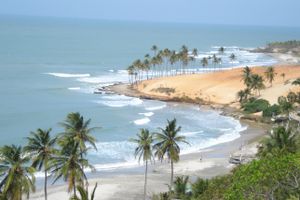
(246, 12)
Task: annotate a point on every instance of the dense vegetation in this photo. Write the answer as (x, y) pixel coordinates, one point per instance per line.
(274, 174)
(292, 46)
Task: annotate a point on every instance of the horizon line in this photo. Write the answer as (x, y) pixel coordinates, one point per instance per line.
(145, 21)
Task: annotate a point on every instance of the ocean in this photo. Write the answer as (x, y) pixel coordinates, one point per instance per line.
(50, 67)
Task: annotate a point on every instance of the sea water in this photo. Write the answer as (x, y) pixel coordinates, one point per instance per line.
(50, 67)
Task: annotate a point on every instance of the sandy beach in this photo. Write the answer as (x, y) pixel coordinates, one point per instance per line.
(219, 87)
(129, 186)
(213, 88)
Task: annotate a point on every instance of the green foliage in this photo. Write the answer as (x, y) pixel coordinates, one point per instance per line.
(162, 196)
(286, 44)
(84, 195)
(168, 144)
(41, 147)
(199, 187)
(272, 110)
(292, 97)
(270, 74)
(180, 186)
(280, 140)
(144, 145)
(285, 105)
(255, 105)
(17, 177)
(296, 82)
(268, 178)
(216, 188)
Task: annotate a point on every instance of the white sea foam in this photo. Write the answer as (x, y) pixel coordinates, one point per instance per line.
(119, 101)
(114, 166)
(147, 114)
(65, 75)
(142, 121)
(192, 133)
(74, 88)
(110, 78)
(155, 108)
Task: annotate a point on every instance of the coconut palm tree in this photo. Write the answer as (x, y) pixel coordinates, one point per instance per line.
(168, 144)
(41, 147)
(84, 195)
(257, 83)
(154, 48)
(78, 132)
(221, 50)
(232, 57)
(69, 165)
(204, 62)
(270, 74)
(241, 95)
(17, 175)
(280, 139)
(215, 60)
(247, 73)
(144, 151)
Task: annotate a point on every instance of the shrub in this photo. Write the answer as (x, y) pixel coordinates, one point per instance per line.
(272, 110)
(199, 187)
(257, 105)
(276, 177)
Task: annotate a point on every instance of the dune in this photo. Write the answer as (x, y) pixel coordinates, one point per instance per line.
(219, 87)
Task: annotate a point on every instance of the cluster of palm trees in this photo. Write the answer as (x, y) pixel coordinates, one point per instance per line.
(160, 145)
(255, 82)
(63, 157)
(170, 62)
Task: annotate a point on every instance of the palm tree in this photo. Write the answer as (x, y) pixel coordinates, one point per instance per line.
(180, 186)
(69, 165)
(204, 62)
(84, 195)
(167, 144)
(270, 74)
(144, 151)
(280, 139)
(18, 176)
(154, 48)
(41, 147)
(247, 76)
(78, 132)
(221, 50)
(215, 60)
(232, 57)
(241, 95)
(257, 83)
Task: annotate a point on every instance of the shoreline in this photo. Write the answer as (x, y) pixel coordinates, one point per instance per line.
(215, 162)
(114, 184)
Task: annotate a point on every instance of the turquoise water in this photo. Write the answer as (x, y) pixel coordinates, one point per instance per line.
(50, 67)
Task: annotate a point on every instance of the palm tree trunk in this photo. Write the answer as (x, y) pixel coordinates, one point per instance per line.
(145, 186)
(172, 174)
(74, 188)
(45, 185)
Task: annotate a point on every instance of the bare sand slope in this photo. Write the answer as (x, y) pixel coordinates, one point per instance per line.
(220, 87)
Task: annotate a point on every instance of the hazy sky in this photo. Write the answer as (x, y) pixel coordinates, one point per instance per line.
(247, 12)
